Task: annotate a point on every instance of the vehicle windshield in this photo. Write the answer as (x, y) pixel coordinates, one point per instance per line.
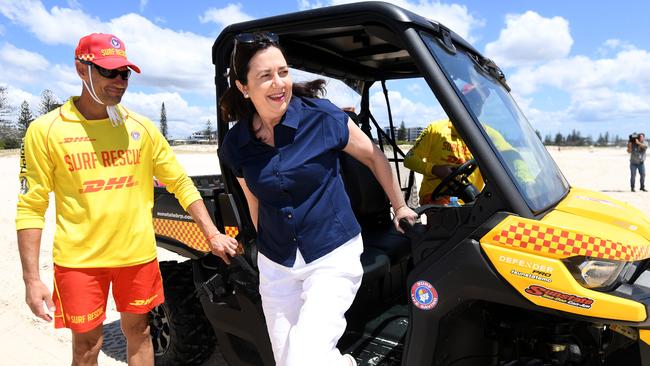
(511, 136)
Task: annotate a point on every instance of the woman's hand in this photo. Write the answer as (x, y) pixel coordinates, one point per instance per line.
(404, 212)
(223, 246)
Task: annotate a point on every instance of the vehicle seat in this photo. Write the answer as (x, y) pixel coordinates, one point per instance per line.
(381, 240)
(372, 207)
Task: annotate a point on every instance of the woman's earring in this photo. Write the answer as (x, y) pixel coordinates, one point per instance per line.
(245, 95)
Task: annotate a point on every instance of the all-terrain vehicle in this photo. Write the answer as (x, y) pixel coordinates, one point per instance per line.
(531, 271)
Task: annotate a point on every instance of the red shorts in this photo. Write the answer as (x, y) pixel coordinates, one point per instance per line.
(80, 294)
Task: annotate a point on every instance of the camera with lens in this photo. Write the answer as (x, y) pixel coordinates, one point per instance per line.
(634, 137)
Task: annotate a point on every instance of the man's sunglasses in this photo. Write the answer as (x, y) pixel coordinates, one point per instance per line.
(109, 74)
(252, 38)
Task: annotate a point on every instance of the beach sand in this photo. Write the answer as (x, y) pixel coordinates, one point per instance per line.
(29, 341)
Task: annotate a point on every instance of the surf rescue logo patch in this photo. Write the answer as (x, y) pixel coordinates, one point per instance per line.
(424, 296)
(115, 43)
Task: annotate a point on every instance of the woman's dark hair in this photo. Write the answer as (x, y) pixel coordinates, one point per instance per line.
(232, 104)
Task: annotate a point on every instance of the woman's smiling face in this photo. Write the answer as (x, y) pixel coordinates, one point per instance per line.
(269, 84)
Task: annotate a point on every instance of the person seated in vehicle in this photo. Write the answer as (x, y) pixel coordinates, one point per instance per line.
(439, 152)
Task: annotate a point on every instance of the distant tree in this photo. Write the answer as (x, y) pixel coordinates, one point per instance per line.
(548, 140)
(163, 121)
(208, 129)
(559, 139)
(24, 118)
(575, 139)
(401, 132)
(5, 108)
(9, 137)
(49, 102)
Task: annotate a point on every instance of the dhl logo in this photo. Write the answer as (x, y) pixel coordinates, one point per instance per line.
(97, 185)
(67, 140)
(143, 302)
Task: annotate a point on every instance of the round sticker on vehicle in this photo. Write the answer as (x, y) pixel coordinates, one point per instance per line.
(424, 296)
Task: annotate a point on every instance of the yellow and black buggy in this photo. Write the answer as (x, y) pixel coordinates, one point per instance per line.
(529, 271)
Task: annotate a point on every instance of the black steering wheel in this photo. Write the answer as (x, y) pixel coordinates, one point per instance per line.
(457, 184)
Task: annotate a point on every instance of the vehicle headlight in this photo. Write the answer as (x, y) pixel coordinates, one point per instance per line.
(597, 273)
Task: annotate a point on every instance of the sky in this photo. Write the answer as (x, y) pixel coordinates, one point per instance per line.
(582, 65)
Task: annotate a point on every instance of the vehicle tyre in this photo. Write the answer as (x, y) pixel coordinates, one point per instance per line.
(180, 332)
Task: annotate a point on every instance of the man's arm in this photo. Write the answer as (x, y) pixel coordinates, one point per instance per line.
(36, 179)
(169, 171)
(629, 147)
(36, 292)
(220, 244)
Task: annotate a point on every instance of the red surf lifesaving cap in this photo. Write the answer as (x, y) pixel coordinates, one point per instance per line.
(104, 50)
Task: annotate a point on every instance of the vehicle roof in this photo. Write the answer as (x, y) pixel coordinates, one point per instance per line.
(358, 41)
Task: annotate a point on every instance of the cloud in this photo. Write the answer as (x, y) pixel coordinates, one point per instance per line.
(613, 45)
(169, 59)
(415, 89)
(454, 16)
(182, 118)
(143, 4)
(606, 93)
(530, 39)
(16, 58)
(173, 63)
(30, 70)
(403, 109)
(306, 4)
(56, 26)
(629, 69)
(74, 4)
(232, 13)
(16, 96)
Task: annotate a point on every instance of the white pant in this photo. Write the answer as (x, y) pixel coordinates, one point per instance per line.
(305, 305)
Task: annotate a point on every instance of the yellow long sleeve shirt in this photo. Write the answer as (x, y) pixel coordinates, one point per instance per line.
(438, 144)
(102, 179)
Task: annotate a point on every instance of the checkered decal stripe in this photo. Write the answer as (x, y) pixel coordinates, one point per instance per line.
(186, 232)
(231, 231)
(534, 237)
(86, 57)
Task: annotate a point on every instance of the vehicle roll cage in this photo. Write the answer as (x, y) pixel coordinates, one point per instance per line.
(361, 44)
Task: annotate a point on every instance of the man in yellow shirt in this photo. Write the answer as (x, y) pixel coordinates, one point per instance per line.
(439, 151)
(436, 153)
(99, 159)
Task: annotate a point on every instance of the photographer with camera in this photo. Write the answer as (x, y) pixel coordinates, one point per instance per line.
(636, 147)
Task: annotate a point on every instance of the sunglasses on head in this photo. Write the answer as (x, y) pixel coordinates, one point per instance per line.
(109, 74)
(252, 38)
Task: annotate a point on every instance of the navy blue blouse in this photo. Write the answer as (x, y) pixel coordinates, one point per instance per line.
(302, 200)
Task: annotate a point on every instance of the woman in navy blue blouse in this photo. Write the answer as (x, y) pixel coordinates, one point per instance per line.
(284, 151)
